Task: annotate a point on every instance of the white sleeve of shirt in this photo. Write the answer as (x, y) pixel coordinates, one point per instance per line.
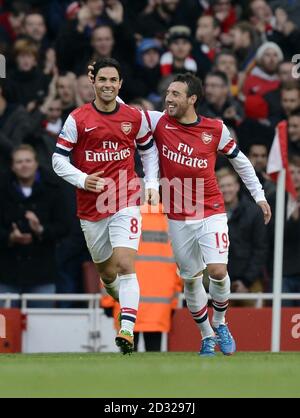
(119, 100)
(154, 117)
(63, 168)
(149, 154)
(241, 164)
(61, 157)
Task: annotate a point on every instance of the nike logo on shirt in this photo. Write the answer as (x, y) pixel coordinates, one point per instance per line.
(170, 127)
(90, 129)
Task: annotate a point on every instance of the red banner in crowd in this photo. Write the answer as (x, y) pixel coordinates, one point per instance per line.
(251, 328)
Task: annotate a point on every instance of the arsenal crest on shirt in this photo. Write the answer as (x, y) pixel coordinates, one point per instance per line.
(126, 127)
(206, 138)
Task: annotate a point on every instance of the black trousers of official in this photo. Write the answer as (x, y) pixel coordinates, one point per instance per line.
(152, 340)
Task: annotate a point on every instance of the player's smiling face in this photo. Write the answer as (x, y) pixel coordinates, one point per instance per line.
(107, 84)
(177, 101)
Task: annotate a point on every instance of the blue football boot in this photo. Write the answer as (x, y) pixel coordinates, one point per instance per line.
(208, 347)
(225, 340)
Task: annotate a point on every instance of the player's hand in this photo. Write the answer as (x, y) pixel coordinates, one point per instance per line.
(265, 207)
(95, 183)
(152, 197)
(90, 73)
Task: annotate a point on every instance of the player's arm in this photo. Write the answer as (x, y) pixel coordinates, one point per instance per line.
(62, 165)
(245, 170)
(149, 155)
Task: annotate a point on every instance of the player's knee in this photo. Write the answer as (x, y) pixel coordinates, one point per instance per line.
(107, 274)
(125, 266)
(217, 272)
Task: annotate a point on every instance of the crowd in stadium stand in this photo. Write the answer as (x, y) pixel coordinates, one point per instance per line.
(242, 50)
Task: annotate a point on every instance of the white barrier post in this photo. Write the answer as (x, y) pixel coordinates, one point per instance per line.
(278, 261)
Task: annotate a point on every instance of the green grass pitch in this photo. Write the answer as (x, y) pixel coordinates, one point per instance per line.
(150, 375)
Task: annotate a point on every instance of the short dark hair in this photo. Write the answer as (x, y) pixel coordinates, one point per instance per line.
(194, 85)
(294, 160)
(295, 112)
(225, 52)
(290, 85)
(25, 147)
(220, 75)
(106, 63)
(215, 21)
(246, 27)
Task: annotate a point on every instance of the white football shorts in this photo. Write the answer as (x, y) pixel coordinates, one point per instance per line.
(123, 229)
(198, 243)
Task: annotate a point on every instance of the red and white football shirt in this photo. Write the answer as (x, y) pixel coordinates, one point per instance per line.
(188, 154)
(99, 141)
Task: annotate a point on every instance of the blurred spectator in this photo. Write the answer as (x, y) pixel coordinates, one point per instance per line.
(285, 71)
(11, 22)
(291, 7)
(14, 128)
(262, 17)
(48, 123)
(53, 122)
(225, 12)
(258, 155)
(255, 131)
(97, 32)
(74, 38)
(218, 102)
(226, 62)
(148, 68)
(27, 84)
(32, 220)
(178, 59)
(291, 260)
(289, 100)
(207, 43)
(35, 28)
(294, 132)
(244, 43)
(102, 42)
(273, 98)
(158, 19)
(287, 33)
(247, 257)
(264, 77)
(114, 42)
(65, 88)
(85, 91)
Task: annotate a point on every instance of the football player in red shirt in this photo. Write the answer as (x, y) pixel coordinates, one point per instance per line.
(188, 145)
(102, 137)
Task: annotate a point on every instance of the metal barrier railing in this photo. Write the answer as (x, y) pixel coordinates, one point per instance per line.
(93, 299)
